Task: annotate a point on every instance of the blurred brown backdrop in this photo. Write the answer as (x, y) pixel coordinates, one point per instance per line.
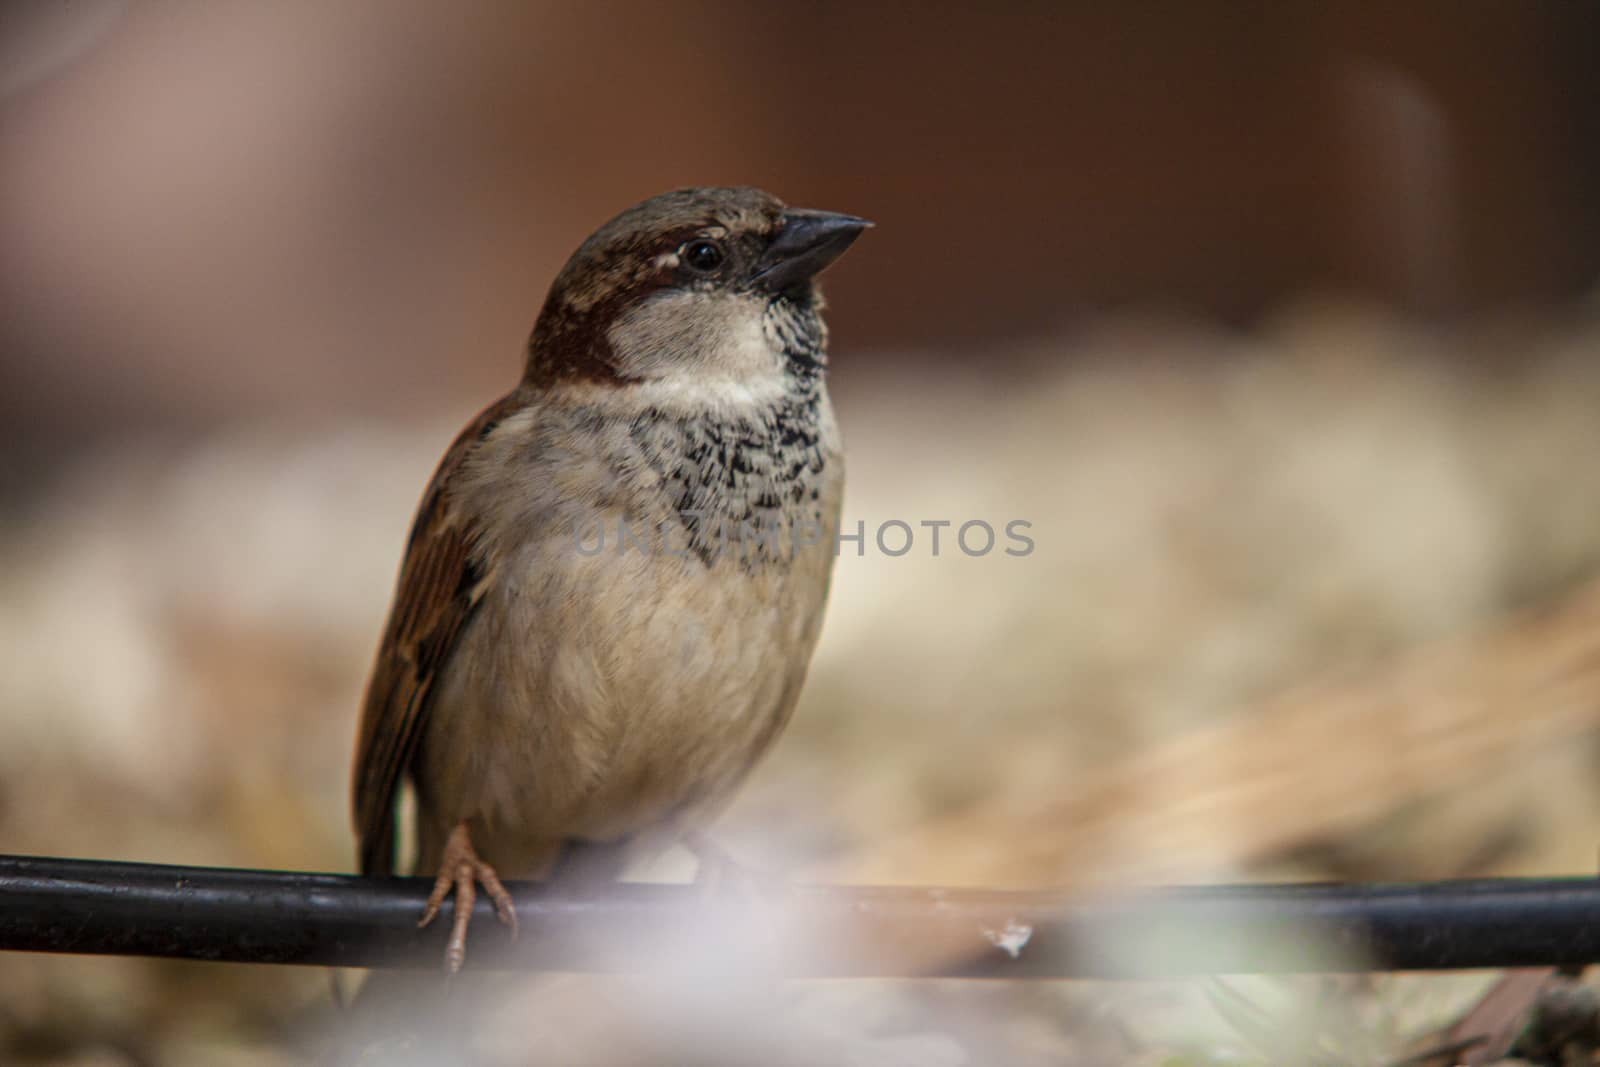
(216, 210)
(1276, 320)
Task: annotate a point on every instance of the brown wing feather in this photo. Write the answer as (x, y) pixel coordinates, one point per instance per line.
(441, 582)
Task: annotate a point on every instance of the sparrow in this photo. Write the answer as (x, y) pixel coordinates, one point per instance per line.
(615, 580)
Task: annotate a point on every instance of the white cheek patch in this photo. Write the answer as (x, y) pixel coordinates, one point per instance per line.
(745, 349)
(700, 349)
(706, 395)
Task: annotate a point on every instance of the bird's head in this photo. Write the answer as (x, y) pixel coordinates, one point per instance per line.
(695, 289)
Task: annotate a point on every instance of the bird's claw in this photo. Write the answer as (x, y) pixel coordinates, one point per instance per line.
(462, 870)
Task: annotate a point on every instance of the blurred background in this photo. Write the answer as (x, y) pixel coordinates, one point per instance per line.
(1278, 321)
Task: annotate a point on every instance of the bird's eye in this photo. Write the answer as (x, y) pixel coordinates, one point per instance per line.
(703, 256)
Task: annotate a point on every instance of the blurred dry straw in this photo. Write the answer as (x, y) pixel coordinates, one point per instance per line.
(1437, 721)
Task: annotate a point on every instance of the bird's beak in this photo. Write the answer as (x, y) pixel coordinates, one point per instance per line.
(808, 242)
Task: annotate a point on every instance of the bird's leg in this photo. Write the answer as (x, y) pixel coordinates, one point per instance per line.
(716, 869)
(461, 869)
(744, 901)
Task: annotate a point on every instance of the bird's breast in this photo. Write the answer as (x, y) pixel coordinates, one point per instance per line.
(630, 662)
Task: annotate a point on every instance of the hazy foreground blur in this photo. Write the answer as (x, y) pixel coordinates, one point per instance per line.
(1278, 324)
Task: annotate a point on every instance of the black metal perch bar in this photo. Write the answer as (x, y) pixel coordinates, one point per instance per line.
(92, 907)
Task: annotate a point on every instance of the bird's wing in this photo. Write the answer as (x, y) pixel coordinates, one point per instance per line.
(442, 579)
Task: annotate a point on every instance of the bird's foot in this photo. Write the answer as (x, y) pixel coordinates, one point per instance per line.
(725, 880)
(718, 872)
(749, 902)
(462, 870)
